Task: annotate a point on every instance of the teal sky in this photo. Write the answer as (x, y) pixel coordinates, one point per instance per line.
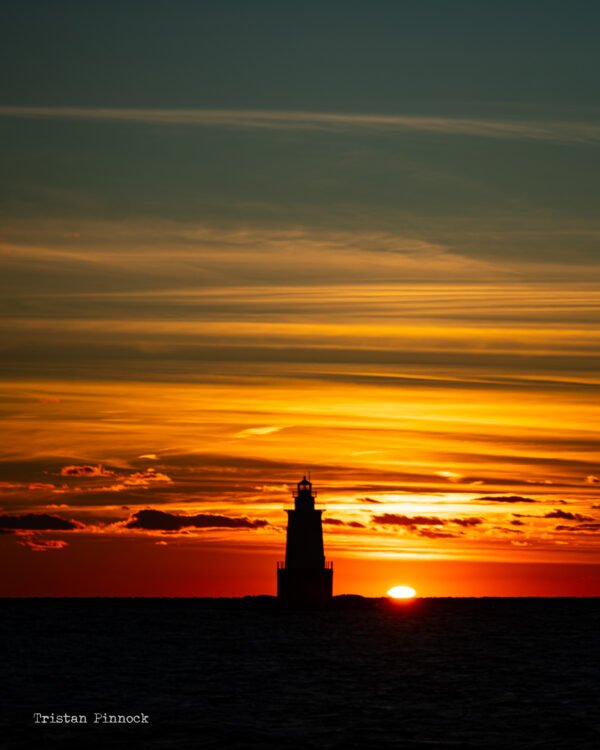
(154, 150)
(168, 146)
(509, 65)
(329, 56)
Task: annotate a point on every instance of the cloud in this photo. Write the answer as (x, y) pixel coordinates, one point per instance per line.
(38, 522)
(339, 522)
(145, 478)
(467, 521)
(548, 130)
(579, 527)
(392, 519)
(368, 500)
(158, 520)
(139, 480)
(86, 471)
(451, 476)
(135, 479)
(508, 531)
(257, 431)
(37, 544)
(435, 534)
(504, 499)
(567, 516)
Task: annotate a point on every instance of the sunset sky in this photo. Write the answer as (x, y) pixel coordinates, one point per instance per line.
(244, 241)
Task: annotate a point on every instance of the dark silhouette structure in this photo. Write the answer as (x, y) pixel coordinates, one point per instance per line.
(305, 577)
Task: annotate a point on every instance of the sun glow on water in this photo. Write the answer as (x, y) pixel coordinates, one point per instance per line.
(402, 592)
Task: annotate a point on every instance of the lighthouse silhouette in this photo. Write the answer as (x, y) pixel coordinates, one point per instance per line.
(305, 577)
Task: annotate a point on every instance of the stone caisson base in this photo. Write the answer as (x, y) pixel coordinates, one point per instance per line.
(305, 587)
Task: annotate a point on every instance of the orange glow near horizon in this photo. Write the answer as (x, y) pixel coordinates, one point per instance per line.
(430, 461)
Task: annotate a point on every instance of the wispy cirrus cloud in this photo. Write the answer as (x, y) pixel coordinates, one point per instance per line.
(550, 130)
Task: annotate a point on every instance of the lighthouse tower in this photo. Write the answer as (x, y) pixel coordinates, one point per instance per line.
(305, 577)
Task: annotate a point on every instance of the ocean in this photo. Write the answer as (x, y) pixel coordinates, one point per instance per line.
(429, 674)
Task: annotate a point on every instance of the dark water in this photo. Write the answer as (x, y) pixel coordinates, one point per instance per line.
(462, 673)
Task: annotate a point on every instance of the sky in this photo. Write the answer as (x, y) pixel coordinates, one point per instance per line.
(245, 241)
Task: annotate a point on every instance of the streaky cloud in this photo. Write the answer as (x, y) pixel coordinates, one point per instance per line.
(504, 499)
(551, 130)
(393, 519)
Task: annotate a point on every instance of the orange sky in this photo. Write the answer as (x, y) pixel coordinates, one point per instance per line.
(456, 453)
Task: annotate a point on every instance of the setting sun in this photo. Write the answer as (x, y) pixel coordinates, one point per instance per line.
(402, 592)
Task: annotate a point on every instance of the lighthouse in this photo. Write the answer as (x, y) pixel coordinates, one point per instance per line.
(305, 577)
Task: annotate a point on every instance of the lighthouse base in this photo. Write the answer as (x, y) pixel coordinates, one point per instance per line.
(305, 587)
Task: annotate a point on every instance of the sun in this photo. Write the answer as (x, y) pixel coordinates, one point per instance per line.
(402, 592)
